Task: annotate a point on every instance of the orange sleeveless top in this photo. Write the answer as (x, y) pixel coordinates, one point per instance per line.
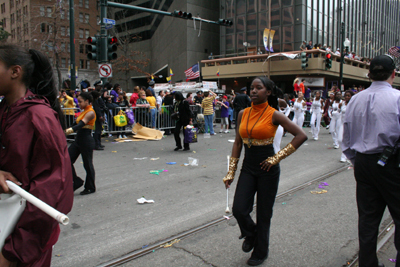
(264, 130)
(90, 124)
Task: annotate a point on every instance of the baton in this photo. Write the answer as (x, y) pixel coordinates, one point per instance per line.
(55, 214)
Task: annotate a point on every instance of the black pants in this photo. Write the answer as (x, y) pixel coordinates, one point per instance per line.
(377, 188)
(254, 180)
(97, 133)
(83, 144)
(177, 131)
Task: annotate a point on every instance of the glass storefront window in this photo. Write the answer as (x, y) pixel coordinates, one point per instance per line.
(251, 6)
(275, 18)
(251, 24)
(240, 24)
(239, 43)
(287, 2)
(288, 34)
(263, 5)
(288, 16)
(240, 6)
(252, 38)
(229, 44)
(262, 20)
(275, 4)
(230, 8)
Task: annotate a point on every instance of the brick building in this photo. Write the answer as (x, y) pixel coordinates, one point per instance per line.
(45, 25)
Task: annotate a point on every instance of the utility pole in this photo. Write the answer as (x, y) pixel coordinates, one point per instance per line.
(72, 43)
(341, 57)
(103, 36)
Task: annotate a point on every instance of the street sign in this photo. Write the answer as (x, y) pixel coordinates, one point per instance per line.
(109, 21)
(109, 26)
(105, 70)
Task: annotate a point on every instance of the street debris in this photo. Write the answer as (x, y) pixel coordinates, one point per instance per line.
(323, 185)
(139, 158)
(142, 200)
(226, 217)
(319, 192)
(392, 260)
(114, 151)
(193, 161)
(171, 163)
(231, 141)
(167, 245)
(154, 158)
(157, 172)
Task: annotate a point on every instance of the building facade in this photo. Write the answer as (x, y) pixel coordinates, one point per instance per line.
(371, 26)
(168, 42)
(45, 25)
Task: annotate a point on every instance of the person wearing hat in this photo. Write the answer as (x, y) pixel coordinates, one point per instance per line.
(240, 102)
(151, 87)
(303, 46)
(371, 138)
(197, 99)
(337, 52)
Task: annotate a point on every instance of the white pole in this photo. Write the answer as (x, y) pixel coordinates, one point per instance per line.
(58, 216)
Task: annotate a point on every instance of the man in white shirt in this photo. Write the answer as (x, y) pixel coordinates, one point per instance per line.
(337, 52)
(159, 99)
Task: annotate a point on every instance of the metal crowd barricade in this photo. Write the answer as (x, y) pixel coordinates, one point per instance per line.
(70, 117)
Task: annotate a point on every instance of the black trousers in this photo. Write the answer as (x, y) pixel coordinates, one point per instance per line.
(377, 188)
(83, 145)
(97, 133)
(254, 180)
(177, 131)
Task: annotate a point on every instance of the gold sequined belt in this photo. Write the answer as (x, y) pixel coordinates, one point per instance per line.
(90, 127)
(258, 142)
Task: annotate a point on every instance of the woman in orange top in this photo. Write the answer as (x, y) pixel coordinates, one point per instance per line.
(260, 170)
(84, 143)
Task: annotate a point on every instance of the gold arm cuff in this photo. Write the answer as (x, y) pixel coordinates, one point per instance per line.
(258, 142)
(90, 127)
(283, 153)
(233, 162)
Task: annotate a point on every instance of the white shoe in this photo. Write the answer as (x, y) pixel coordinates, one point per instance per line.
(120, 136)
(316, 138)
(327, 127)
(220, 131)
(124, 136)
(109, 135)
(335, 146)
(226, 131)
(343, 160)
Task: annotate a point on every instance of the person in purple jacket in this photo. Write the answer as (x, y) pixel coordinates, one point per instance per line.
(224, 114)
(115, 92)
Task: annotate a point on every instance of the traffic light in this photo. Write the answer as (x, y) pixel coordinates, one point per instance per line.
(304, 60)
(112, 48)
(182, 14)
(225, 22)
(328, 61)
(92, 48)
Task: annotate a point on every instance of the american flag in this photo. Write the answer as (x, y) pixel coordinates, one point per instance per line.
(395, 51)
(193, 72)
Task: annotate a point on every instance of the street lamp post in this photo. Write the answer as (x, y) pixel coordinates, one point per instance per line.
(346, 44)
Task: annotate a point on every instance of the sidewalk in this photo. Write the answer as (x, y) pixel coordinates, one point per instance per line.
(307, 230)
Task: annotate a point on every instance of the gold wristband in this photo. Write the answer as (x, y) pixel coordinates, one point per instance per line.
(233, 162)
(283, 153)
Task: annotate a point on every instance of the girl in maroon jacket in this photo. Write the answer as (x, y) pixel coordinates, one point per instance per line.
(33, 153)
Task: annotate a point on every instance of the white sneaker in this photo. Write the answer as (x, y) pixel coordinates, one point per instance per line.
(220, 131)
(226, 131)
(343, 160)
(109, 135)
(335, 146)
(120, 136)
(124, 136)
(316, 138)
(327, 127)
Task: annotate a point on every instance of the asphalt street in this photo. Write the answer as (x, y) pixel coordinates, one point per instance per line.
(110, 223)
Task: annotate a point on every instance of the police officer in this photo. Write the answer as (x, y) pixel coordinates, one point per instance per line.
(370, 142)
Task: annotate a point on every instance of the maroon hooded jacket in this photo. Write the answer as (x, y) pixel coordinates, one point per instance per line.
(34, 149)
